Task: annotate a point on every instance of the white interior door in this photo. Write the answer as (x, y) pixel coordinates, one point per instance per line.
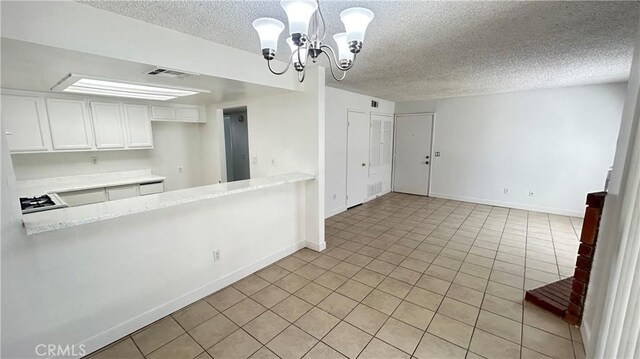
(357, 157)
(412, 153)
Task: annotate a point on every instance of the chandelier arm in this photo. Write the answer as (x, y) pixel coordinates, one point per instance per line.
(301, 75)
(335, 60)
(344, 73)
(283, 71)
(298, 54)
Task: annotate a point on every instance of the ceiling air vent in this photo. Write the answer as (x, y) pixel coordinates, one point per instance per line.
(174, 74)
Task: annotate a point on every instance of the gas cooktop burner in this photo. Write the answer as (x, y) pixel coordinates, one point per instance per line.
(30, 203)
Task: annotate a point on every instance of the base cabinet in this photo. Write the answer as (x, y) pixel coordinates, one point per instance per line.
(80, 198)
(98, 195)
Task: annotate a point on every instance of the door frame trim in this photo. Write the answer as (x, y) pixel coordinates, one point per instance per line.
(346, 162)
(395, 141)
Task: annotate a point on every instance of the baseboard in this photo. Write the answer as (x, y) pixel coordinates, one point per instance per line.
(316, 247)
(562, 212)
(335, 211)
(109, 336)
(376, 195)
(585, 331)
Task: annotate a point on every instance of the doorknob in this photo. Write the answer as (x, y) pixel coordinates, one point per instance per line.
(427, 162)
(427, 157)
(364, 165)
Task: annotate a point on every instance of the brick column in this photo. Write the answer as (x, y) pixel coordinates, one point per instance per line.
(588, 238)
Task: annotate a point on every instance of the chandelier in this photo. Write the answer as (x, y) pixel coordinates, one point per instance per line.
(307, 32)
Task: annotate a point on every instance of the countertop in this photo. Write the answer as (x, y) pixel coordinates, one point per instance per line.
(38, 187)
(74, 216)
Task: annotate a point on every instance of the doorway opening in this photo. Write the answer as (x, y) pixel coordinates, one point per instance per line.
(236, 143)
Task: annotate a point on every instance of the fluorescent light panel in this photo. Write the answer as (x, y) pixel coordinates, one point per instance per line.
(121, 89)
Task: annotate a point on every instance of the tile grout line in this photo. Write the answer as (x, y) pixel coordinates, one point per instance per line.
(489, 279)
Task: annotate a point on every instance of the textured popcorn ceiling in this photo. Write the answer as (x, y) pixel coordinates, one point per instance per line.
(423, 50)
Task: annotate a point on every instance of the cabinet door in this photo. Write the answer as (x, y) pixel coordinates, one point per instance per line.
(80, 198)
(107, 125)
(139, 134)
(69, 123)
(163, 113)
(188, 114)
(122, 192)
(25, 123)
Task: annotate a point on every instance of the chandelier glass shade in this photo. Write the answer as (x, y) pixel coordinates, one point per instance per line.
(307, 32)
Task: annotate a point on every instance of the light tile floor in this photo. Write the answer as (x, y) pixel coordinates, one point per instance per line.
(402, 277)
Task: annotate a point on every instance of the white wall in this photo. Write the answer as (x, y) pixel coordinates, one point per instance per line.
(286, 134)
(601, 323)
(558, 143)
(175, 144)
(338, 102)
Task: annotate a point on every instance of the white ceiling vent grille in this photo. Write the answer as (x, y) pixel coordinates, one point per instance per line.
(174, 74)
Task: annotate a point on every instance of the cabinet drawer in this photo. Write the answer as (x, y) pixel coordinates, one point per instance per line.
(79, 198)
(151, 188)
(121, 192)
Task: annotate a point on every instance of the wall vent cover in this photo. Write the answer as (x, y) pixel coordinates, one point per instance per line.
(374, 103)
(174, 74)
(374, 189)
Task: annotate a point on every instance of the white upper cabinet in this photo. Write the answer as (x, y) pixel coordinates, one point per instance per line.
(138, 124)
(178, 113)
(189, 114)
(108, 125)
(25, 123)
(45, 122)
(163, 113)
(70, 125)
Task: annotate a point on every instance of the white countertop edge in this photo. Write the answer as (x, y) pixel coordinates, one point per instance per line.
(37, 222)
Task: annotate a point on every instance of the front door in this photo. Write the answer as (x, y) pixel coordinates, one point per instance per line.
(412, 154)
(357, 157)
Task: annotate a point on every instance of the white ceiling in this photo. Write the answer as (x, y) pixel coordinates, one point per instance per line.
(28, 66)
(423, 50)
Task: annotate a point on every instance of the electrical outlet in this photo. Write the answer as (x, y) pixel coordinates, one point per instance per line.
(216, 255)
(94, 160)
(507, 190)
(437, 154)
(531, 193)
(180, 170)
